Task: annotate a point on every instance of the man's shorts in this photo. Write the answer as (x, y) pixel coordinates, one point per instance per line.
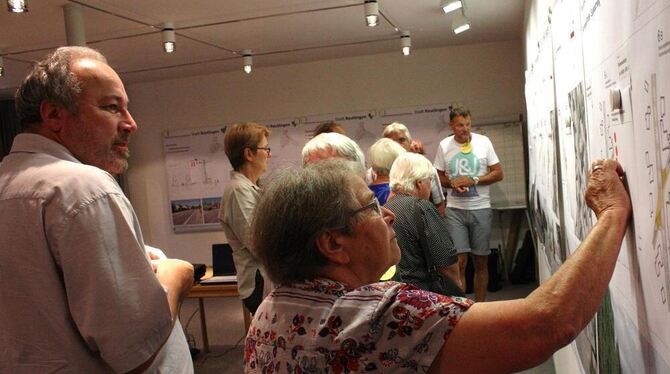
(470, 230)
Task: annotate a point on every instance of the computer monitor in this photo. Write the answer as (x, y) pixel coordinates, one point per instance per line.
(222, 260)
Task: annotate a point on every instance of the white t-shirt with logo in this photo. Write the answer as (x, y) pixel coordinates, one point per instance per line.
(454, 163)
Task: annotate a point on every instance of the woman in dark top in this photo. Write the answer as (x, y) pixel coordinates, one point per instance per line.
(422, 235)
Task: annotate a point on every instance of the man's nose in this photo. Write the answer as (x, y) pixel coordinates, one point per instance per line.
(128, 125)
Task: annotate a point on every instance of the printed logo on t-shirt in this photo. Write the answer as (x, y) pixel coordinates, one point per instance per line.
(466, 164)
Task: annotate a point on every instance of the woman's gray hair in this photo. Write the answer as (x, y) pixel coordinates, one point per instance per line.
(396, 127)
(294, 208)
(407, 169)
(340, 145)
(382, 154)
(52, 80)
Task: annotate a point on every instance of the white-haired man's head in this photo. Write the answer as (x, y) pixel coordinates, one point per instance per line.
(332, 145)
(398, 133)
(408, 169)
(382, 154)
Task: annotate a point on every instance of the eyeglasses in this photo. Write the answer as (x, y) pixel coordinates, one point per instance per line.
(373, 205)
(266, 149)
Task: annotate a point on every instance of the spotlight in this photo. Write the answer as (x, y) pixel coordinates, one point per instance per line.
(168, 37)
(450, 6)
(247, 60)
(17, 6)
(371, 13)
(406, 43)
(460, 23)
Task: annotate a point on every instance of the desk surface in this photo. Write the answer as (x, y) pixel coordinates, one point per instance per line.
(202, 291)
(213, 290)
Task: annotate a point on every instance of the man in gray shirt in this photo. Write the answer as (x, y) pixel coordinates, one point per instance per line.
(79, 292)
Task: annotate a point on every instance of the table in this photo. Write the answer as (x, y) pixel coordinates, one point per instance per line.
(202, 291)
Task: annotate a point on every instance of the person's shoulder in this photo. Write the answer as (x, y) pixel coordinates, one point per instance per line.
(480, 137)
(89, 177)
(83, 183)
(425, 204)
(240, 188)
(66, 175)
(409, 295)
(69, 186)
(398, 202)
(447, 140)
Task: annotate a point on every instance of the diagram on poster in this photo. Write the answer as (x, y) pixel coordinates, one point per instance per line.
(611, 64)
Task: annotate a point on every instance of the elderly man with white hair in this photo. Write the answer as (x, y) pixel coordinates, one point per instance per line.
(381, 156)
(428, 258)
(399, 133)
(332, 145)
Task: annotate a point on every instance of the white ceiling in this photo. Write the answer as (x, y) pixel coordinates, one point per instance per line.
(212, 33)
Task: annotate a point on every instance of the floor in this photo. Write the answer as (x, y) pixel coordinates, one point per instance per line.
(228, 359)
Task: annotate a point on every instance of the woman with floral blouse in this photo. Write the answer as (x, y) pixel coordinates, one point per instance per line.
(325, 241)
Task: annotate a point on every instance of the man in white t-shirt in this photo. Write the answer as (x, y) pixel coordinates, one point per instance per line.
(467, 164)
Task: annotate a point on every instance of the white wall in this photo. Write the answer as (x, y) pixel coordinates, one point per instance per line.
(486, 77)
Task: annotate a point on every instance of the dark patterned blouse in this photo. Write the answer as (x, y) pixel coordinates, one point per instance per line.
(413, 267)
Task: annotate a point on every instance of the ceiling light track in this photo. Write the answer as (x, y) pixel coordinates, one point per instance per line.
(114, 14)
(265, 16)
(256, 54)
(205, 42)
(388, 20)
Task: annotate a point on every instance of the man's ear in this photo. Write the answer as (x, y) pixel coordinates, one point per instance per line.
(52, 115)
(329, 243)
(417, 185)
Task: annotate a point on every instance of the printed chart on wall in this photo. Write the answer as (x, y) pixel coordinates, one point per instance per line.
(197, 166)
(611, 103)
(544, 199)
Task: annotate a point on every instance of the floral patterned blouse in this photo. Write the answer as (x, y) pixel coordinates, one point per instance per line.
(322, 326)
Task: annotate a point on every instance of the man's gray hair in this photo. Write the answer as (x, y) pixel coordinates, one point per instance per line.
(322, 145)
(407, 169)
(458, 111)
(382, 154)
(296, 206)
(396, 127)
(52, 80)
